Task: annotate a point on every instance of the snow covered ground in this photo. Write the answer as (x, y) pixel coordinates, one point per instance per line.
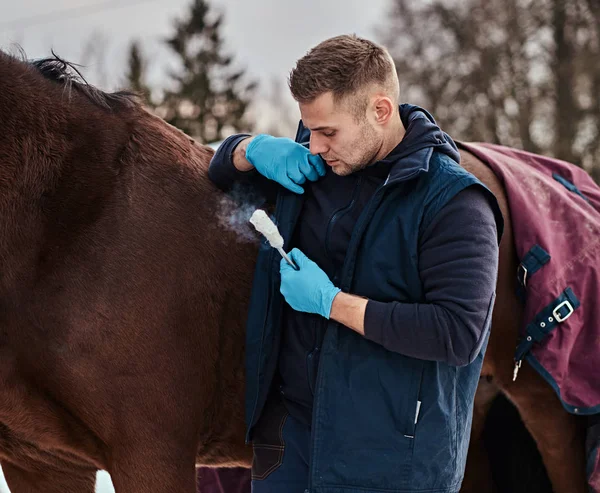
(103, 484)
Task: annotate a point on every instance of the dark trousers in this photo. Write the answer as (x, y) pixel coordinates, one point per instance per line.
(281, 451)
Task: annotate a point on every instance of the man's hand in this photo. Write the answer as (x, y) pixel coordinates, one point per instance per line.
(284, 161)
(307, 289)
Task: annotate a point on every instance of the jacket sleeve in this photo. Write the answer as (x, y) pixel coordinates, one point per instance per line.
(458, 265)
(226, 176)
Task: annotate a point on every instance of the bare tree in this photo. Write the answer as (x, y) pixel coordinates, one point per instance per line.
(523, 73)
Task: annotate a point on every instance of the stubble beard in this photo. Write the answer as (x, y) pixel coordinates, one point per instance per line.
(366, 157)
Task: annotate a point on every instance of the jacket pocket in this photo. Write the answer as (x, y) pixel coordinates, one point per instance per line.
(413, 403)
(366, 404)
(268, 444)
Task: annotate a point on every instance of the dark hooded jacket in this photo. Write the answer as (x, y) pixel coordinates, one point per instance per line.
(391, 411)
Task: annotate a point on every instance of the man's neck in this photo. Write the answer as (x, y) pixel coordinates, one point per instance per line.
(394, 135)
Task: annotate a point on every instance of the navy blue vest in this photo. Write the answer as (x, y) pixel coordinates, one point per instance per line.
(381, 420)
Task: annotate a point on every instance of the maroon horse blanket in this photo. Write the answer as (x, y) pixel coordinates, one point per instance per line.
(555, 207)
(556, 210)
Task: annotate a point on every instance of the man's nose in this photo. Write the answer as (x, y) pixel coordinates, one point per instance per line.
(317, 145)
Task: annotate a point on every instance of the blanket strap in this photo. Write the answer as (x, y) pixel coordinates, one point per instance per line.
(544, 322)
(569, 186)
(533, 261)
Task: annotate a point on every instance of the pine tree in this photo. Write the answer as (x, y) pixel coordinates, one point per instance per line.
(211, 97)
(136, 74)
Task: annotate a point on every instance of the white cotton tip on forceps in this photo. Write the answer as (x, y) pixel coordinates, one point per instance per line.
(263, 224)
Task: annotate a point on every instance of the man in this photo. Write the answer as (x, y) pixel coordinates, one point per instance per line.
(364, 380)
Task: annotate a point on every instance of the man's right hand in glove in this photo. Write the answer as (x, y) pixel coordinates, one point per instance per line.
(279, 159)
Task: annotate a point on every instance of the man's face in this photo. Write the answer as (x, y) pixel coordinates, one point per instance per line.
(345, 144)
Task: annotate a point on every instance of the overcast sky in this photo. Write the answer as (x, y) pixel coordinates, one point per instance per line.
(266, 36)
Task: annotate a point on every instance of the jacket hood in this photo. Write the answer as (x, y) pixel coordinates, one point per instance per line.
(412, 155)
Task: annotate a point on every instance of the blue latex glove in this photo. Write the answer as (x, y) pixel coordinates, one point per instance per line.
(284, 161)
(307, 289)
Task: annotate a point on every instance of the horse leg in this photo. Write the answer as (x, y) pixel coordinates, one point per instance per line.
(478, 474)
(44, 479)
(152, 467)
(560, 436)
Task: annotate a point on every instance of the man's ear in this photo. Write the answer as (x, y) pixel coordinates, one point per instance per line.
(384, 109)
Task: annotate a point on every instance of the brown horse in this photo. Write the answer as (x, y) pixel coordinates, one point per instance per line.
(123, 303)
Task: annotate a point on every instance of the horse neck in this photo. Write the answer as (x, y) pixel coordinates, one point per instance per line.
(45, 128)
(58, 153)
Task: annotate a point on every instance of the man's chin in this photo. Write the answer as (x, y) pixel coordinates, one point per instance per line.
(341, 169)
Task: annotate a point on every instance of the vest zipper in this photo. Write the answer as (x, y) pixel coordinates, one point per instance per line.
(362, 219)
(339, 213)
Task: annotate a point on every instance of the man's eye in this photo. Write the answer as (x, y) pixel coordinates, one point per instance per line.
(328, 134)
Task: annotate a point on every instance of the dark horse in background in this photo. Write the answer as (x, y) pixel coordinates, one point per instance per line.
(123, 303)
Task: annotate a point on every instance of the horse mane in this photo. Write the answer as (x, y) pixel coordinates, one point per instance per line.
(66, 73)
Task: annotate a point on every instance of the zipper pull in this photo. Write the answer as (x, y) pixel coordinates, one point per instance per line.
(417, 412)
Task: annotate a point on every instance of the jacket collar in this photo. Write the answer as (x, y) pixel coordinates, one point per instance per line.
(412, 155)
